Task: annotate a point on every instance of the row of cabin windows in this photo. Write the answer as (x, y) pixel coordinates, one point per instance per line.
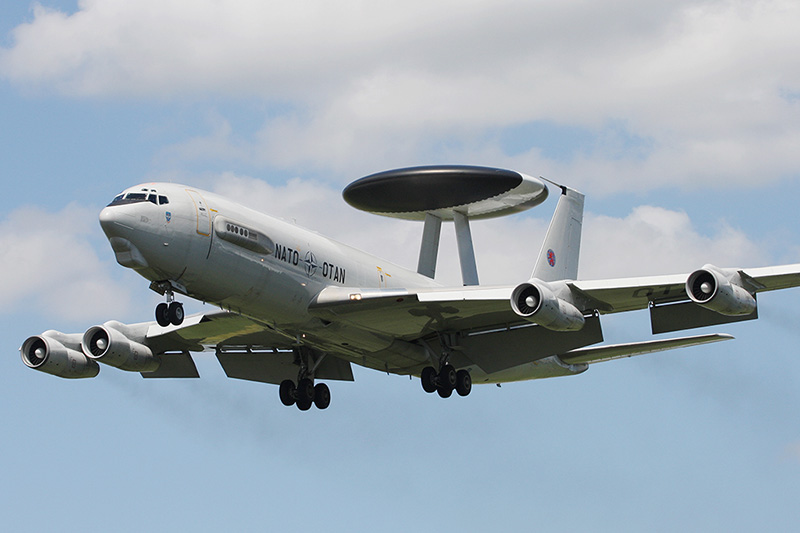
(238, 231)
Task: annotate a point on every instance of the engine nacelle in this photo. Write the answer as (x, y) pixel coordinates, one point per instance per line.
(535, 301)
(112, 347)
(719, 291)
(47, 353)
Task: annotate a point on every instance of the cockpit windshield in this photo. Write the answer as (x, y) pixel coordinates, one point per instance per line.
(147, 195)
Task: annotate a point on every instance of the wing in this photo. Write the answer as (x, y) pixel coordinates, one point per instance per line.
(411, 314)
(617, 295)
(246, 349)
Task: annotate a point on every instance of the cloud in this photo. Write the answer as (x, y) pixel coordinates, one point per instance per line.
(710, 87)
(49, 264)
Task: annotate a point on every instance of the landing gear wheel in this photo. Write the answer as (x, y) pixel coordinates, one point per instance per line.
(322, 396)
(428, 379)
(444, 393)
(162, 315)
(447, 378)
(305, 392)
(287, 392)
(463, 383)
(175, 312)
(304, 405)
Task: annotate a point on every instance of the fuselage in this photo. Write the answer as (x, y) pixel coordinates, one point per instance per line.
(218, 251)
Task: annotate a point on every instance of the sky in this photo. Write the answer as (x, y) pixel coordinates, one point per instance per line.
(678, 120)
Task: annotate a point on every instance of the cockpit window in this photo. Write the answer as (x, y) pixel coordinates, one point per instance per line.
(137, 197)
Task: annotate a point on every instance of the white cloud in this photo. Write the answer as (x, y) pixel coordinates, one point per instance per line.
(713, 86)
(49, 264)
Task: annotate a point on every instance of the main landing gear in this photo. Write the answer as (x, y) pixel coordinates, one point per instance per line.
(304, 394)
(446, 381)
(170, 312)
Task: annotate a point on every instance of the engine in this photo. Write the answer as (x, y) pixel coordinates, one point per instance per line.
(57, 354)
(535, 301)
(719, 291)
(110, 346)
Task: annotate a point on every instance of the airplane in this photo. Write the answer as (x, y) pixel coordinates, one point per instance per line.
(296, 308)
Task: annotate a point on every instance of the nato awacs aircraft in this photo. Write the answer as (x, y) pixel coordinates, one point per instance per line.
(298, 307)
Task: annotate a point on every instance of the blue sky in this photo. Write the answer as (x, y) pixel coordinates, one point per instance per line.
(679, 122)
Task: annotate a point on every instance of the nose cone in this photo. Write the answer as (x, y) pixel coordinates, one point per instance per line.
(115, 221)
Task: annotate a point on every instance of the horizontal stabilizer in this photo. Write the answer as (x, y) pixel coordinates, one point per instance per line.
(599, 354)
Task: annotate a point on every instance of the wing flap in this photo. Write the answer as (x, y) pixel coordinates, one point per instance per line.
(599, 354)
(275, 366)
(174, 365)
(688, 315)
(500, 350)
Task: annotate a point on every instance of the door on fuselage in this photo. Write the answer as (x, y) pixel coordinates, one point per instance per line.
(203, 214)
(201, 209)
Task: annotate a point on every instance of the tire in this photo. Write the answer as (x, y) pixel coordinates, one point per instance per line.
(304, 405)
(447, 378)
(463, 383)
(444, 393)
(175, 313)
(428, 379)
(322, 396)
(162, 315)
(305, 392)
(287, 392)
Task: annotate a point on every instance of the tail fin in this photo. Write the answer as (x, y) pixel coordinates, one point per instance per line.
(558, 258)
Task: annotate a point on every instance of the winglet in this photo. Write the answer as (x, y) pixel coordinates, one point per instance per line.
(558, 258)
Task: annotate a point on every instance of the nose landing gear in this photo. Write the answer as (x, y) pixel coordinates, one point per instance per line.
(170, 312)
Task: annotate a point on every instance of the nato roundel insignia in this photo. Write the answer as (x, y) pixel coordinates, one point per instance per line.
(551, 258)
(169, 216)
(311, 264)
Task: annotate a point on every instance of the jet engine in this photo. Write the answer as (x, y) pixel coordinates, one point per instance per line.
(112, 347)
(719, 291)
(58, 354)
(535, 301)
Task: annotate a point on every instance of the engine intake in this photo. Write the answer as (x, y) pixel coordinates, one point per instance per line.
(112, 347)
(536, 301)
(47, 353)
(719, 291)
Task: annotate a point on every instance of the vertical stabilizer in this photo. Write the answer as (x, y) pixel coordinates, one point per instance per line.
(558, 258)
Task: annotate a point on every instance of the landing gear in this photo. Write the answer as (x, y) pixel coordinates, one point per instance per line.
(304, 394)
(170, 312)
(162, 315)
(446, 381)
